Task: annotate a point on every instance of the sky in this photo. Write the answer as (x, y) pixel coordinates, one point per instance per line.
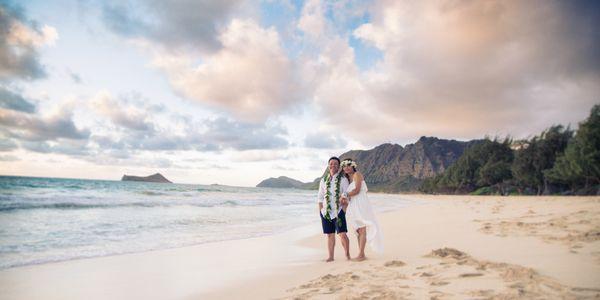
(233, 92)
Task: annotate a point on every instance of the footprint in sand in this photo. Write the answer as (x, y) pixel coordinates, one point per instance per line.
(426, 274)
(470, 275)
(394, 263)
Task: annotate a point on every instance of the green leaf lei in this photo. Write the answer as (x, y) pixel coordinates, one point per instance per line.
(328, 195)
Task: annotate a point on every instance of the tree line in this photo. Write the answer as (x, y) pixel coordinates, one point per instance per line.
(558, 161)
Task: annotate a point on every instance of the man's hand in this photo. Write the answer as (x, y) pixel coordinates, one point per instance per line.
(320, 207)
(344, 201)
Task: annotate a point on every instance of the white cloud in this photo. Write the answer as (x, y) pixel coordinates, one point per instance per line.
(20, 34)
(312, 20)
(123, 115)
(20, 41)
(251, 77)
(322, 140)
(57, 124)
(186, 24)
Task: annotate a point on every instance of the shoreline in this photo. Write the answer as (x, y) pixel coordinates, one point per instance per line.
(175, 272)
(259, 235)
(288, 265)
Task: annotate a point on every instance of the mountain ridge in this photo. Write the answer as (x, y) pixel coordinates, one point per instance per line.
(392, 168)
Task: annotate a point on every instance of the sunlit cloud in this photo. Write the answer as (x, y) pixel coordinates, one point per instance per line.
(250, 77)
(20, 40)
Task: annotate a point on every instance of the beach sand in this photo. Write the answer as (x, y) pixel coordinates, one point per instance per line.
(445, 247)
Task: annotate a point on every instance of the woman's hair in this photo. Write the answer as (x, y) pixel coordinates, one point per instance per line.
(348, 161)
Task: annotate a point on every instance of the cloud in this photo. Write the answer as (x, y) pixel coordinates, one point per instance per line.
(251, 77)
(69, 147)
(76, 78)
(7, 144)
(122, 127)
(312, 19)
(20, 40)
(137, 125)
(324, 141)
(120, 113)
(8, 158)
(110, 158)
(461, 69)
(259, 155)
(13, 101)
(57, 125)
(340, 94)
(188, 24)
(130, 131)
(244, 136)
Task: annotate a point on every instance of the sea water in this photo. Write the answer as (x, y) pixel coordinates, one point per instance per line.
(51, 219)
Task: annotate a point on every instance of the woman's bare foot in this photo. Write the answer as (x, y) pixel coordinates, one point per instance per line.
(348, 257)
(329, 259)
(360, 258)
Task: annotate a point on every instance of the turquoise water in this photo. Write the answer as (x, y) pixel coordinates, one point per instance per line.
(50, 219)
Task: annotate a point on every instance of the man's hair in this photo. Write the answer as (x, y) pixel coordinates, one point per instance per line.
(334, 157)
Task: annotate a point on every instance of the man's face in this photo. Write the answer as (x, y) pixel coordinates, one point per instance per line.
(334, 166)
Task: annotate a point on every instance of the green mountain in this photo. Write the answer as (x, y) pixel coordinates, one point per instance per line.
(392, 168)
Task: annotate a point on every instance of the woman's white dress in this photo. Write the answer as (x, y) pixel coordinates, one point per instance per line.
(360, 214)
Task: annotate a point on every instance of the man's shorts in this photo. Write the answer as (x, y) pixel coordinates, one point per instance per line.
(332, 226)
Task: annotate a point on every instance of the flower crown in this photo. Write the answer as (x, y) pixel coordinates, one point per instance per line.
(348, 163)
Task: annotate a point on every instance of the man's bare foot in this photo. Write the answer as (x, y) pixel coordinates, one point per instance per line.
(329, 259)
(360, 258)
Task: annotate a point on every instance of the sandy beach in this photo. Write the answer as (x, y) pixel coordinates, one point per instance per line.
(444, 247)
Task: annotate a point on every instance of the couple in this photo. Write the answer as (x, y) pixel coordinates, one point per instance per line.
(343, 203)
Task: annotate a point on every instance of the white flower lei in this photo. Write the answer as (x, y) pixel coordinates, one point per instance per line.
(349, 163)
(328, 195)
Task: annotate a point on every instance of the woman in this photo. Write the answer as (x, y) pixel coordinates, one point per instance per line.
(359, 213)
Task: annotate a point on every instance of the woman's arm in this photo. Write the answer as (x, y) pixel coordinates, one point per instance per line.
(357, 178)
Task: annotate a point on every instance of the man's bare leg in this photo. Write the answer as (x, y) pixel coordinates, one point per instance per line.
(345, 243)
(330, 246)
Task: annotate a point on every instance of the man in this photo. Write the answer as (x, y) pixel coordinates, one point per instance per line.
(333, 217)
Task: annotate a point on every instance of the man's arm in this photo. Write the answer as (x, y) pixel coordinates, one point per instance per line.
(321, 194)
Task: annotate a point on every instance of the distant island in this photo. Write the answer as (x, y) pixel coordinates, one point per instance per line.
(152, 178)
(283, 182)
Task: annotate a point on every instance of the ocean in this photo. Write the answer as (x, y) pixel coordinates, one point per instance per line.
(51, 219)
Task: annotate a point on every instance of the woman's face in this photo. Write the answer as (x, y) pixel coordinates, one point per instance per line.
(348, 169)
